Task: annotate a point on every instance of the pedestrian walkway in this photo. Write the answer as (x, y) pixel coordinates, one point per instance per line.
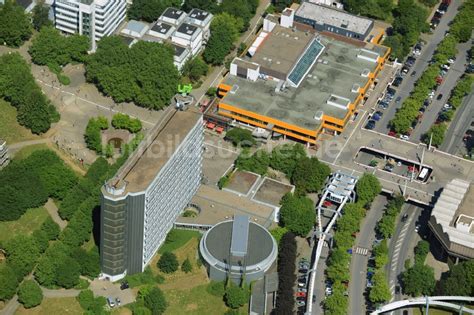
(53, 212)
(362, 251)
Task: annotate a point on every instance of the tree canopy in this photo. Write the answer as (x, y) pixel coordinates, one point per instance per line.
(41, 16)
(286, 274)
(168, 262)
(144, 74)
(256, 163)
(460, 280)
(155, 301)
(235, 296)
(15, 26)
(367, 188)
(418, 280)
(150, 10)
(30, 294)
(240, 137)
(18, 86)
(297, 214)
(285, 157)
(378, 9)
(51, 48)
(380, 291)
(224, 31)
(9, 282)
(123, 121)
(195, 68)
(309, 175)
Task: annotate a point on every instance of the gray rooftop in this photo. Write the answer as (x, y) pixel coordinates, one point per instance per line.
(161, 27)
(178, 50)
(173, 13)
(333, 77)
(334, 17)
(198, 14)
(187, 29)
(127, 40)
(260, 243)
(136, 26)
(240, 236)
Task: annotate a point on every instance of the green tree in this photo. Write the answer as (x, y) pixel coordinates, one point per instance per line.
(367, 188)
(421, 251)
(460, 280)
(67, 273)
(168, 263)
(51, 228)
(336, 303)
(92, 136)
(155, 301)
(224, 31)
(150, 10)
(240, 137)
(15, 27)
(186, 266)
(9, 282)
(195, 68)
(419, 280)
(41, 16)
(22, 254)
(285, 157)
(436, 133)
(309, 175)
(90, 304)
(380, 291)
(30, 294)
(256, 163)
(297, 214)
(381, 254)
(235, 296)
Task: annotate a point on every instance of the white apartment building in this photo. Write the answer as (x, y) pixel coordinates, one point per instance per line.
(94, 18)
(201, 19)
(189, 36)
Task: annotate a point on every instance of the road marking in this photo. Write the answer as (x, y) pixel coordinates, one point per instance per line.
(398, 244)
(361, 251)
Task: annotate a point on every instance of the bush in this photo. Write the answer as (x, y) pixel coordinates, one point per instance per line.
(256, 163)
(30, 294)
(168, 263)
(91, 304)
(64, 79)
(285, 157)
(235, 296)
(92, 135)
(421, 251)
(367, 188)
(212, 91)
(278, 233)
(186, 266)
(309, 175)
(216, 288)
(224, 181)
(142, 278)
(155, 300)
(240, 137)
(195, 68)
(123, 121)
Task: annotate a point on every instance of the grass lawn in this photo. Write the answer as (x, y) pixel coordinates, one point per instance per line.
(180, 237)
(10, 130)
(26, 224)
(52, 306)
(26, 151)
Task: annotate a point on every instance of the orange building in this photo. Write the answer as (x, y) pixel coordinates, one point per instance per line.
(299, 83)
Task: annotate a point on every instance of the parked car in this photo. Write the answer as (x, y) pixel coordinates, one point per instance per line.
(370, 124)
(302, 290)
(111, 301)
(413, 74)
(405, 217)
(300, 303)
(369, 284)
(417, 228)
(124, 285)
(399, 98)
(447, 106)
(300, 294)
(392, 133)
(440, 96)
(118, 302)
(397, 81)
(404, 137)
(376, 117)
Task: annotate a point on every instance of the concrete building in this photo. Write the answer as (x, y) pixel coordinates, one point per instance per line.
(93, 18)
(135, 29)
(189, 36)
(141, 202)
(173, 16)
(452, 220)
(181, 55)
(161, 30)
(299, 83)
(4, 156)
(201, 19)
(238, 249)
(330, 19)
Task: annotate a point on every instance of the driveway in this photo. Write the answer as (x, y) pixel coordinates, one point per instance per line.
(420, 65)
(109, 289)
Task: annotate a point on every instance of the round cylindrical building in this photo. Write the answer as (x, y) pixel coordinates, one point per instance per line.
(238, 249)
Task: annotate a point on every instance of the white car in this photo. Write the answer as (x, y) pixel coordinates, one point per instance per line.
(328, 290)
(450, 61)
(446, 66)
(447, 106)
(404, 137)
(417, 228)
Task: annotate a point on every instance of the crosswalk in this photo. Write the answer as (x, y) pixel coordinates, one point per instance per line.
(362, 251)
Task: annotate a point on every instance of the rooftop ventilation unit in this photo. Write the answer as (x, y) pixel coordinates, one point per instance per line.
(319, 115)
(234, 89)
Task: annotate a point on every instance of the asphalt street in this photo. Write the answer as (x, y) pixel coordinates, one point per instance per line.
(453, 142)
(449, 82)
(364, 241)
(420, 65)
(401, 247)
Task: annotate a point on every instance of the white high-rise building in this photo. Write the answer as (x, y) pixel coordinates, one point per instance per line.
(94, 18)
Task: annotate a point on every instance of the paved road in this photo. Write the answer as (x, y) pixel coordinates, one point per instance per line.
(449, 82)
(401, 247)
(453, 142)
(364, 240)
(420, 65)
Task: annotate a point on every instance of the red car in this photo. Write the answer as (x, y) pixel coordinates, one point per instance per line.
(300, 294)
(327, 203)
(392, 133)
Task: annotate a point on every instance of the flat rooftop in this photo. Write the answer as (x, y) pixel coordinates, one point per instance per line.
(186, 28)
(281, 49)
(467, 205)
(336, 73)
(145, 163)
(173, 13)
(334, 17)
(161, 27)
(198, 14)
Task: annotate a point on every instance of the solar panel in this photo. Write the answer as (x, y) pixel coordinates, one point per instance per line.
(305, 62)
